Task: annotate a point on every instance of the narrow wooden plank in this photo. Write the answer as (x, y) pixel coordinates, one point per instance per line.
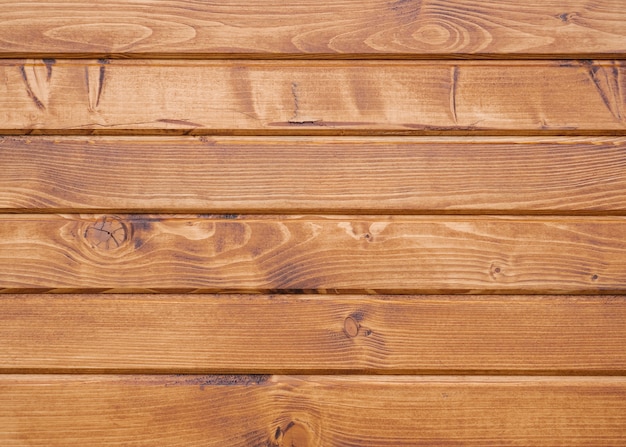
(312, 97)
(272, 28)
(305, 175)
(313, 334)
(255, 410)
(321, 254)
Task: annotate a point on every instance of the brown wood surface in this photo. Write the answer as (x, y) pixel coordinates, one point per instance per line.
(330, 254)
(306, 174)
(391, 241)
(260, 411)
(313, 334)
(313, 97)
(272, 28)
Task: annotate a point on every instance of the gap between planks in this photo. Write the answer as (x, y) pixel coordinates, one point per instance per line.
(349, 57)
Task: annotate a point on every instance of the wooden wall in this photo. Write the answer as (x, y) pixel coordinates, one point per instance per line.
(297, 224)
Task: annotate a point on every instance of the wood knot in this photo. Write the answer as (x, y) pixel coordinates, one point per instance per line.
(106, 233)
(566, 17)
(351, 327)
(294, 435)
(494, 271)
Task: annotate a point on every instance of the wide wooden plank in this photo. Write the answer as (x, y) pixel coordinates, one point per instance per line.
(395, 254)
(305, 175)
(304, 97)
(257, 410)
(313, 334)
(272, 28)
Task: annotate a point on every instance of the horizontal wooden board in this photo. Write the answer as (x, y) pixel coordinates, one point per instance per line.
(394, 254)
(313, 334)
(319, 97)
(272, 28)
(257, 410)
(313, 174)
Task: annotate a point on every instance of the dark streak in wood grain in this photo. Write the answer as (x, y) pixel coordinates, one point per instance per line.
(607, 86)
(49, 63)
(320, 123)
(216, 380)
(100, 83)
(453, 92)
(29, 89)
(179, 122)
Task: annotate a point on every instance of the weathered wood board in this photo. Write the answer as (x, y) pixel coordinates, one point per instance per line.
(350, 28)
(335, 254)
(264, 410)
(365, 175)
(304, 334)
(312, 97)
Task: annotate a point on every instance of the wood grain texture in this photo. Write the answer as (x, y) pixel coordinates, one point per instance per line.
(334, 254)
(313, 97)
(272, 28)
(313, 175)
(252, 334)
(252, 154)
(260, 411)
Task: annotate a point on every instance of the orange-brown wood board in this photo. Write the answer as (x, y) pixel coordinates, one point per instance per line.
(302, 224)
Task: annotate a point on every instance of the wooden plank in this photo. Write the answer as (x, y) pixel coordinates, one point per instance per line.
(272, 28)
(331, 254)
(584, 175)
(312, 334)
(257, 410)
(319, 97)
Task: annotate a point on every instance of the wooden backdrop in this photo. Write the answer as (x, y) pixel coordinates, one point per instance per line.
(313, 223)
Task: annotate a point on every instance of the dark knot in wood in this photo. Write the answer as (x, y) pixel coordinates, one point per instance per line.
(107, 233)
